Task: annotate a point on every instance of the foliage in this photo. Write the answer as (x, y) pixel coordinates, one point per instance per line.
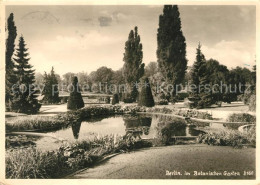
(162, 102)
(115, 99)
(249, 96)
(84, 81)
(239, 78)
(171, 46)
(230, 138)
(252, 103)
(165, 130)
(217, 76)
(182, 95)
(24, 98)
(184, 113)
(10, 78)
(130, 97)
(241, 117)
(75, 100)
(133, 68)
(103, 76)
(31, 163)
(146, 96)
(51, 90)
(70, 117)
(151, 69)
(107, 99)
(67, 78)
(35, 123)
(201, 98)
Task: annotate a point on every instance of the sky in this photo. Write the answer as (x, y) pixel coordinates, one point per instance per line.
(84, 38)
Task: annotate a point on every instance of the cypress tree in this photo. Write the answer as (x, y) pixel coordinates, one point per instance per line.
(171, 46)
(133, 68)
(50, 91)
(75, 100)
(146, 96)
(24, 98)
(10, 78)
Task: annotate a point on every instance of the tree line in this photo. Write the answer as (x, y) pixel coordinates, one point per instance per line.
(140, 80)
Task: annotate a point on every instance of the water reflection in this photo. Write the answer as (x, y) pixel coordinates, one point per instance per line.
(193, 131)
(75, 129)
(137, 125)
(140, 126)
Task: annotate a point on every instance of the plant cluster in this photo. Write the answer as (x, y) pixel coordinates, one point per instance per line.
(166, 130)
(68, 159)
(230, 138)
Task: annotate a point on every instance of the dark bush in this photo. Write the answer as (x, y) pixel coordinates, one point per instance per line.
(75, 100)
(162, 102)
(182, 95)
(107, 99)
(146, 96)
(166, 130)
(31, 106)
(115, 99)
(241, 117)
(64, 99)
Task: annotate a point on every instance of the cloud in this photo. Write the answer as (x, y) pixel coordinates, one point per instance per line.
(229, 53)
(246, 12)
(42, 16)
(105, 21)
(112, 18)
(86, 20)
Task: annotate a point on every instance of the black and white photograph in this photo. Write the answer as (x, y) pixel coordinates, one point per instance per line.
(129, 91)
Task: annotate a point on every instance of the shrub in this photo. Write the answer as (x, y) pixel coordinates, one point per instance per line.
(115, 99)
(35, 123)
(28, 106)
(107, 99)
(165, 130)
(252, 103)
(241, 117)
(182, 95)
(146, 96)
(162, 102)
(127, 98)
(75, 100)
(230, 138)
(31, 163)
(64, 99)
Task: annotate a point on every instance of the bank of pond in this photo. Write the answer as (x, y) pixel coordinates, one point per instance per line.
(77, 139)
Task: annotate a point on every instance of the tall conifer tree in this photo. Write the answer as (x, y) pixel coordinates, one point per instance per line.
(24, 98)
(10, 78)
(199, 79)
(50, 91)
(171, 46)
(133, 68)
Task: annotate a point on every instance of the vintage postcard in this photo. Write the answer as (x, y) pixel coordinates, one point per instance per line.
(142, 92)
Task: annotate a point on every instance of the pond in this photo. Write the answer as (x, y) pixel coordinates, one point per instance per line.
(145, 126)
